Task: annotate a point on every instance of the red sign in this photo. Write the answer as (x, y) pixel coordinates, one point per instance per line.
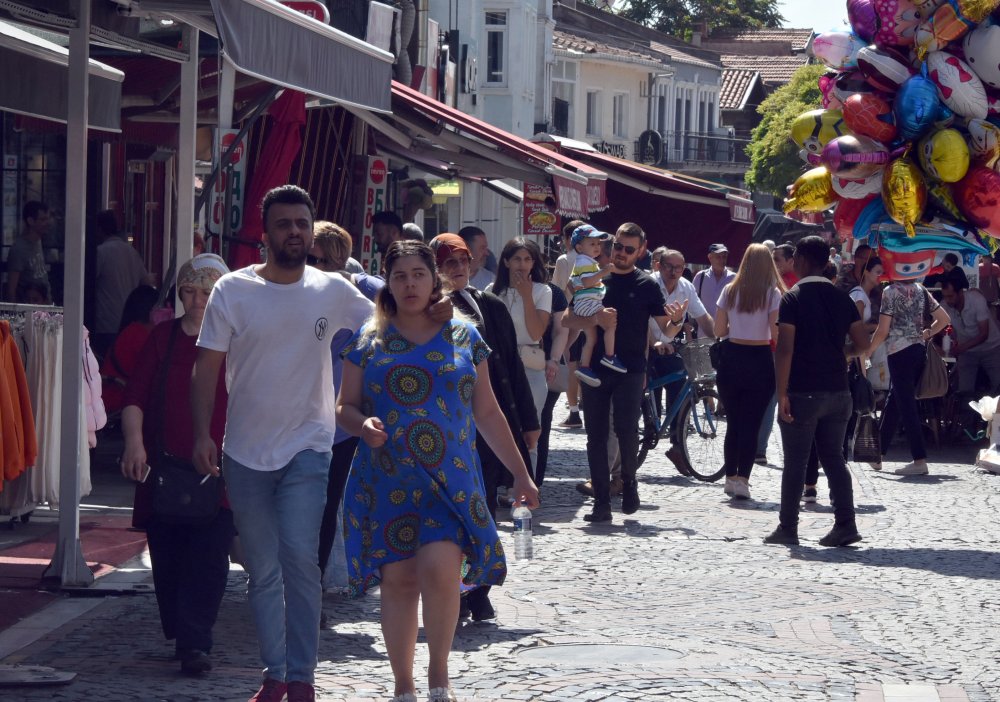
(378, 171)
(741, 210)
(310, 8)
(571, 197)
(540, 218)
(374, 203)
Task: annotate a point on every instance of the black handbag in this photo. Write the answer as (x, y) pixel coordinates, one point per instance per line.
(715, 354)
(181, 495)
(865, 446)
(862, 392)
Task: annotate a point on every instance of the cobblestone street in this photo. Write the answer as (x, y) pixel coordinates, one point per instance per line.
(680, 601)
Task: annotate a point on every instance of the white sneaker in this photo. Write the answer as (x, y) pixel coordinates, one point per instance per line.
(741, 490)
(914, 468)
(729, 486)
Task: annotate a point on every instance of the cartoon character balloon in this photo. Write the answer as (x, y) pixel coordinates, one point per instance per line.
(960, 89)
(984, 142)
(838, 50)
(949, 22)
(857, 189)
(884, 69)
(917, 107)
(863, 19)
(815, 129)
(871, 116)
(846, 215)
(898, 22)
(978, 197)
(812, 192)
(854, 157)
(944, 155)
(904, 193)
(982, 52)
(911, 265)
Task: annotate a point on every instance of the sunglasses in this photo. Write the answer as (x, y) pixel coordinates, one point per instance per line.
(312, 260)
(622, 247)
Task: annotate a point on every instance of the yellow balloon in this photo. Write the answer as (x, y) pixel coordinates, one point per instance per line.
(815, 129)
(944, 155)
(812, 192)
(904, 193)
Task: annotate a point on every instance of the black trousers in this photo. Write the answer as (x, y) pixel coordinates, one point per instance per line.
(746, 384)
(905, 369)
(340, 467)
(543, 440)
(190, 569)
(623, 393)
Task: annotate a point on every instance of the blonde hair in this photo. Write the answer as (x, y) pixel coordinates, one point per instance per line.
(333, 239)
(754, 280)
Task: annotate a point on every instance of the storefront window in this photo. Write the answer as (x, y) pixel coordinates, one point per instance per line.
(496, 48)
(34, 168)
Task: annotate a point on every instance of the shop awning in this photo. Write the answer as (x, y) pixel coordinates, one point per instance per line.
(579, 188)
(274, 43)
(30, 61)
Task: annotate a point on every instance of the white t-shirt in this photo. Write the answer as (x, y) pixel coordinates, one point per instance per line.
(279, 369)
(858, 294)
(684, 291)
(540, 293)
(482, 279)
(564, 269)
(966, 322)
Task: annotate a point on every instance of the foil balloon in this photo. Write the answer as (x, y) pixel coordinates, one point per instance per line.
(884, 69)
(838, 50)
(863, 19)
(815, 129)
(871, 116)
(944, 155)
(812, 192)
(906, 258)
(904, 193)
(847, 84)
(846, 215)
(927, 7)
(949, 22)
(898, 22)
(984, 142)
(960, 89)
(826, 83)
(903, 266)
(982, 52)
(855, 189)
(854, 157)
(978, 197)
(993, 106)
(917, 107)
(940, 196)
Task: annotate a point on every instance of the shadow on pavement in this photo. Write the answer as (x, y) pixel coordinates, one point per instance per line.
(476, 636)
(966, 563)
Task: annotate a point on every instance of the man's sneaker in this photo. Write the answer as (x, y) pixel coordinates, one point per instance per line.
(299, 691)
(914, 468)
(676, 456)
(741, 489)
(573, 421)
(588, 377)
(630, 496)
(600, 513)
(271, 690)
(614, 364)
(809, 495)
(760, 459)
(783, 537)
(195, 662)
(841, 535)
(586, 487)
(616, 487)
(728, 489)
(875, 466)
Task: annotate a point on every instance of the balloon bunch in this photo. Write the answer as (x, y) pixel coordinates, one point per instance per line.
(910, 126)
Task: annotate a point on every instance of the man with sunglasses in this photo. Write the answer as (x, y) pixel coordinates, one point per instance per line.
(637, 298)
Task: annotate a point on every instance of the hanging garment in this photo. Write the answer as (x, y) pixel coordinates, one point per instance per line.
(93, 404)
(18, 445)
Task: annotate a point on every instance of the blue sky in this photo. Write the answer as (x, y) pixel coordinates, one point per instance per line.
(821, 15)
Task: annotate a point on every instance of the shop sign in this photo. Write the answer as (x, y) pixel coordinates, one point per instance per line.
(10, 208)
(741, 210)
(375, 192)
(310, 8)
(610, 149)
(233, 179)
(539, 212)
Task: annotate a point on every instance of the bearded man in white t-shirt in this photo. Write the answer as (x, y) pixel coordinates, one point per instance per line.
(271, 324)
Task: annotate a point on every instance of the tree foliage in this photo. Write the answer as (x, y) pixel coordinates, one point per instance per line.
(774, 159)
(680, 17)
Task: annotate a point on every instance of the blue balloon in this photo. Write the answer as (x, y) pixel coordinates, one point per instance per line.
(917, 107)
(874, 213)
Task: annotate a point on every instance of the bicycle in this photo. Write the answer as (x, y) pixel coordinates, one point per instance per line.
(700, 427)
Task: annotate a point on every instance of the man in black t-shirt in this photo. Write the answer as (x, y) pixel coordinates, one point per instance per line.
(637, 298)
(814, 402)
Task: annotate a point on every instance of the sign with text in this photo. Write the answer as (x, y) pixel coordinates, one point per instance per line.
(539, 212)
(233, 179)
(741, 210)
(310, 8)
(375, 192)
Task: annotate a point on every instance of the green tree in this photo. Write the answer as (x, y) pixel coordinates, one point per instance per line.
(774, 159)
(680, 17)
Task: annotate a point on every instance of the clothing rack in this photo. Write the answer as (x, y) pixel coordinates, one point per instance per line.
(8, 309)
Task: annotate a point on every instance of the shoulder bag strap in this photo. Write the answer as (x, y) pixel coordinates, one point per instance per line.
(161, 387)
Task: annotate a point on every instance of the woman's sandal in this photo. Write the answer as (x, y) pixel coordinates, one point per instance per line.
(441, 694)
(405, 697)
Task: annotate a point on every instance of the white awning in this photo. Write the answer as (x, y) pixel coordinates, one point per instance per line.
(38, 81)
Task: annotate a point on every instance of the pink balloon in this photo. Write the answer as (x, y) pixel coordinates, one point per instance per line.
(978, 197)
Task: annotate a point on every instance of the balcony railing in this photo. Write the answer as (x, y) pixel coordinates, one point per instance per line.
(682, 149)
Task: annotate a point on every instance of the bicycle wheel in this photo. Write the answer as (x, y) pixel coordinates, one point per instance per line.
(649, 434)
(702, 430)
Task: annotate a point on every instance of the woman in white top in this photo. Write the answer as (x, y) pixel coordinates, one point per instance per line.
(748, 315)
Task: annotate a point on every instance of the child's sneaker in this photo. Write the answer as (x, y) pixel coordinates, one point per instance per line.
(588, 376)
(614, 364)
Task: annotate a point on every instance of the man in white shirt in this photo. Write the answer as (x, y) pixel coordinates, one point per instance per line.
(978, 338)
(475, 239)
(271, 324)
(677, 289)
(710, 281)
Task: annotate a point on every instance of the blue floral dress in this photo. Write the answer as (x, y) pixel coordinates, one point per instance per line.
(424, 484)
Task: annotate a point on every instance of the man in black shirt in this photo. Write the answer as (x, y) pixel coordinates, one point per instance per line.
(637, 298)
(814, 402)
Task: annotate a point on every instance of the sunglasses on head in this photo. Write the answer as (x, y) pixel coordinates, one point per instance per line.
(312, 260)
(617, 246)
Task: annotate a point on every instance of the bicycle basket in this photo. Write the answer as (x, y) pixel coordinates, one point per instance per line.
(696, 358)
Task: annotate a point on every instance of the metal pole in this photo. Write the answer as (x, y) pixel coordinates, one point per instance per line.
(68, 564)
(227, 91)
(184, 238)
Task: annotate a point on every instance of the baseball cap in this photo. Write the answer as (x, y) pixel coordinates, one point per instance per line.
(718, 248)
(587, 231)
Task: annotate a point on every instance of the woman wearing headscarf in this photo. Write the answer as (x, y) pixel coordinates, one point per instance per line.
(190, 561)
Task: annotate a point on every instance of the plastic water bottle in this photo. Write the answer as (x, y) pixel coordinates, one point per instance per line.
(522, 533)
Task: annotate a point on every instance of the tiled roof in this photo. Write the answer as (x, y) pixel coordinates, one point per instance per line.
(613, 46)
(681, 57)
(797, 37)
(736, 83)
(773, 70)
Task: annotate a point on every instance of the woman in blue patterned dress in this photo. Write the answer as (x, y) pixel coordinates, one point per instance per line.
(416, 520)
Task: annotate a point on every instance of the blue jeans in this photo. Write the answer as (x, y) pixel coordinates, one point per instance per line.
(278, 516)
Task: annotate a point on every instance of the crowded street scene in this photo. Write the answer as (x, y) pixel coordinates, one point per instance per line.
(552, 350)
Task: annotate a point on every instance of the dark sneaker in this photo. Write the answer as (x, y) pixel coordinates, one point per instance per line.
(600, 513)
(760, 459)
(588, 376)
(841, 535)
(676, 456)
(195, 662)
(630, 496)
(614, 364)
(482, 608)
(586, 488)
(573, 421)
(464, 609)
(271, 690)
(299, 691)
(809, 495)
(782, 536)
